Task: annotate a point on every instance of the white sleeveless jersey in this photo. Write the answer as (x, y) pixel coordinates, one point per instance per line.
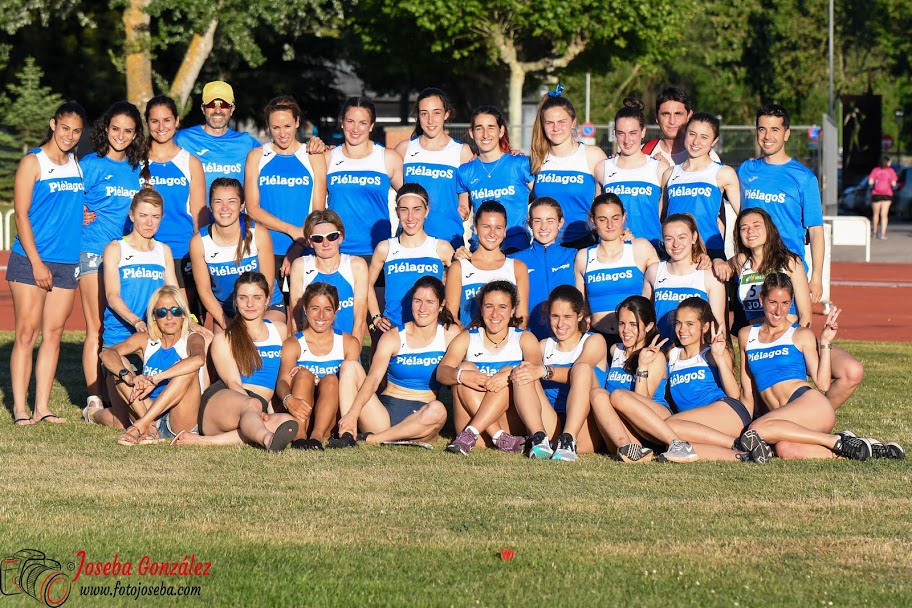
(670, 290)
(474, 279)
(489, 363)
(322, 365)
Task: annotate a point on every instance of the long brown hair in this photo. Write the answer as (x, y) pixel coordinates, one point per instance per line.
(540, 143)
(705, 314)
(444, 317)
(776, 256)
(697, 248)
(158, 100)
(243, 349)
(645, 314)
(319, 288)
(246, 235)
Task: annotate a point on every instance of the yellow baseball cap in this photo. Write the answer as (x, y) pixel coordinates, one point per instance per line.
(218, 89)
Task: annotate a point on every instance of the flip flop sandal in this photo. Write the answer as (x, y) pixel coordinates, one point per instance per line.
(128, 439)
(176, 437)
(408, 444)
(283, 436)
(18, 420)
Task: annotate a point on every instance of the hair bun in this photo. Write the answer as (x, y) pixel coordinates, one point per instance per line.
(633, 102)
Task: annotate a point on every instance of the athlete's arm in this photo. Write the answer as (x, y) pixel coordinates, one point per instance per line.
(318, 196)
(649, 278)
(721, 358)
(170, 274)
(802, 291)
(731, 187)
(644, 254)
(454, 289)
(198, 210)
(114, 359)
(203, 282)
(579, 270)
(747, 379)
(454, 357)
(360, 287)
(521, 272)
(373, 273)
(196, 358)
(387, 346)
(445, 252)
(465, 205)
(295, 291)
(265, 258)
(715, 291)
(663, 200)
(663, 174)
(225, 366)
(817, 253)
(291, 350)
(393, 164)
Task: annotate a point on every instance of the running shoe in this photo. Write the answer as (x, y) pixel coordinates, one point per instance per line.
(346, 440)
(463, 443)
(510, 443)
(540, 447)
(760, 451)
(566, 448)
(853, 448)
(846, 434)
(891, 450)
(633, 453)
(307, 444)
(680, 451)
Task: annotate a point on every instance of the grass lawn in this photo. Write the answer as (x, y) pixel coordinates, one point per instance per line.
(399, 527)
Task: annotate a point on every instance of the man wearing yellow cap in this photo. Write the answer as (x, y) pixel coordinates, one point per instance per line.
(221, 150)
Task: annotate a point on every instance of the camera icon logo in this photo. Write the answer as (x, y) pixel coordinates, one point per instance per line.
(29, 571)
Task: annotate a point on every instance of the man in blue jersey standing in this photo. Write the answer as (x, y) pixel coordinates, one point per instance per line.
(790, 193)
(221, 150)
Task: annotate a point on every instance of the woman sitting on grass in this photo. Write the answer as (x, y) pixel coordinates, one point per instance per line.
(246, 355)
(478, 363)
(776, 358)
(309, 376)
(408, 409)
(164, 399)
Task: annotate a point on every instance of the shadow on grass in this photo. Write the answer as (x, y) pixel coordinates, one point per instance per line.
(69, 374)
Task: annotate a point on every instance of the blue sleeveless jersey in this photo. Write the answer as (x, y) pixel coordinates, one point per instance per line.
(506, 184)
(141, 273)
(619, 378)
(157, 359)
(790, 193)
(404, 266)
(270, 351)
(568, 180)
(693, 382)
(489, 363)
(359, 191)
(698, 193)
(548, 267)
(56, 210)
(110, 186)
(436, 171)
(416, 368)
(285, 183)
(322, 365)
(672, 289)
(775, 362)
(221, 260)
(474, 279)
(639, 189)
(557, 392)
(223, 156)
(171, 179)
(608, 283)
(344, 282)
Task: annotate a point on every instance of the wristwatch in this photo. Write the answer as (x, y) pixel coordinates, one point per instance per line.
(549, 372)
(123, 372)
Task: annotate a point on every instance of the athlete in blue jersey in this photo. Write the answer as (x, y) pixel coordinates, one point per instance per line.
(697, 185)
(111, 174)
(359, 176)
(408, 409)
(404, 259)
(134, 267)
(228, 247)
(547, 263)
(312, 359)
(44, 264)
(497, 175)
(246, 355)
(574, 361)
(669, 283)
(179, 177)
(283, 181)
(634, 177)
(612, 270)
(326, 233)
(565, 169)
(221, 150)
(487, 263)
(478, 364)
(432, 158)
(776, 360)
(163, 399)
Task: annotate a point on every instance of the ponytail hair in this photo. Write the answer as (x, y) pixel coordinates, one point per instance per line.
(243, 350)
(444, 317)
(698, 248)
(540, 143)
(158, 100)
(645, 314)
(67, 108)
(572, 296)
(424, 94)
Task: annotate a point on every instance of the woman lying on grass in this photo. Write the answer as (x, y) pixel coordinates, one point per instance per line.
(164, 399)
(246, 355)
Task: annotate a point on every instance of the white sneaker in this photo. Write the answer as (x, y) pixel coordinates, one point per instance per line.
(680, 451)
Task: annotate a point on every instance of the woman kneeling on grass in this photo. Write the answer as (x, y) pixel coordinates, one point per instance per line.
(575, 361)
(168, 390)
(246, 357)
(310, 377)
(408, 410)
(479, 361)
(777, 357)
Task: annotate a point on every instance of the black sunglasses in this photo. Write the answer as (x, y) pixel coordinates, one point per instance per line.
(161, 313)
(332, 237)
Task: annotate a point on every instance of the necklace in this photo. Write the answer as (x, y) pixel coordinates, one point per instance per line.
(496, 344)
(491, 172)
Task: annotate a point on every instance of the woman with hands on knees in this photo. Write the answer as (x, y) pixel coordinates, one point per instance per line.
(408, 409)
(310, 376)
(164, 399)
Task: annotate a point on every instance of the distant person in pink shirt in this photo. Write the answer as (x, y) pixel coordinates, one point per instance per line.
(882, 181)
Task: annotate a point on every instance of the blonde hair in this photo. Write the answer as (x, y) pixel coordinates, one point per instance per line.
(177, 294)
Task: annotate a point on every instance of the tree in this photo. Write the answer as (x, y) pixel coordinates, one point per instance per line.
(544, 37)
(26, 107)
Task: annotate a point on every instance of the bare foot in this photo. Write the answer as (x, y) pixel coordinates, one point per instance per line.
(52, 418)
(186, 438)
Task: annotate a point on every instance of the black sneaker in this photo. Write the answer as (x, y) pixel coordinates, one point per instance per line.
(362, 437)
(891, 450)
(760, 451)
(853, 448)
(347, 440)
(633, 453)
(307, 444)
(846, 434)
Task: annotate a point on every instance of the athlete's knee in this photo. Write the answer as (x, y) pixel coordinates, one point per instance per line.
(434, 414)
(330, 381)
(851, 370)
(351, 369)
(302, 377)
(254, 405)
(788, 450)
(27, 336)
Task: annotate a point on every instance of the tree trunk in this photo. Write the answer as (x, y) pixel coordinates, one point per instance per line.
(136, 47)
(194, 58)
(517, 79)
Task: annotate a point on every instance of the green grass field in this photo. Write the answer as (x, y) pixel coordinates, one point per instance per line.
(397, 527)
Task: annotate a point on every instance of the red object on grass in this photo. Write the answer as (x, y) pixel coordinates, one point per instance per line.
(507, 555)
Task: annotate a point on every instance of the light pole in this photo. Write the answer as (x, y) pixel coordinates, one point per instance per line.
(898, 114)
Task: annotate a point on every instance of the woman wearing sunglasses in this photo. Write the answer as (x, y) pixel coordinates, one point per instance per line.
(164, 399)
(231, 245)
(348, 274)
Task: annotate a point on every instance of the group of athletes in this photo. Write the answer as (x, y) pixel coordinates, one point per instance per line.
(586, 311)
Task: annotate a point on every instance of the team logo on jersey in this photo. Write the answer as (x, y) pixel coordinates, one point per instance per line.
(677, 379)
(51, 170)
(692, 191)
(765, 197)
(128, 258)
(311, 271)
(214, 254)
(107, 177)
(203, 151)
(752, 178)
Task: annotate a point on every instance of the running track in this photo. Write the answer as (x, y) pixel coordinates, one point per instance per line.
(876, 300)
